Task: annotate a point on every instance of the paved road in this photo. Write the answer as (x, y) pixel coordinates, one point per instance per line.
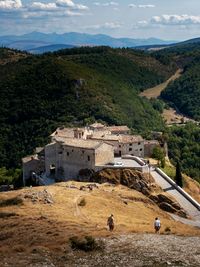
(185, 204)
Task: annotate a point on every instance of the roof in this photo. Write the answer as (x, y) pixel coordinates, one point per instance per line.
(81, 143)
(130, 138)
(122, 138)
(152, 142)
(122, 128)
(100, 134)
(29, 158)
(39, 150)
(63, 132)
(97, 125)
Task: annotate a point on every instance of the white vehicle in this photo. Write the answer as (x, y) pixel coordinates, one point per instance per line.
(119, 163)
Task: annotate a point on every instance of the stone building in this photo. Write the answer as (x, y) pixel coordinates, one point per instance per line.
(123, 144)
(33, 165)
(65, 158)
(91, 147)
(149, 146)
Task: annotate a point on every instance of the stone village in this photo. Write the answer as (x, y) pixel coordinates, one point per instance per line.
(73, 150)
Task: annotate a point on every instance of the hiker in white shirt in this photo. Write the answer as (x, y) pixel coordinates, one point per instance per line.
(157, 225)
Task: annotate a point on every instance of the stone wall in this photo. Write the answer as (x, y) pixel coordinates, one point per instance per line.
(134, 149)
(50, 157)
(104, 154)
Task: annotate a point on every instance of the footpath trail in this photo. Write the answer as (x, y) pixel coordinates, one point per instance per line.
(155, 92)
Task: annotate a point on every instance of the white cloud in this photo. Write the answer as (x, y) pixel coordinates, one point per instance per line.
(146, 6)
(66, 3)
(141, 6)
(37, 6)
(45, 13)
(106, 25)
(70, 4)
(106, 4)
(176, 20)
(10, 4)
(132, 5)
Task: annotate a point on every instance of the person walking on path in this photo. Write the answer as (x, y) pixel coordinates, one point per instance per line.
(157, 225)
(110, 222)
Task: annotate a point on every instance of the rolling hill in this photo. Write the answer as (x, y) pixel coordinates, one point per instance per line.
(74, 87)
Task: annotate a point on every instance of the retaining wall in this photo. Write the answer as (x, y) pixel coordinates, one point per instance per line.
(178, 188)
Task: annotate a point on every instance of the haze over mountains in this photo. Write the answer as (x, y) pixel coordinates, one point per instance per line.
(37, 42)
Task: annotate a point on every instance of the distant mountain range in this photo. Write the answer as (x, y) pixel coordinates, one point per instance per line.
(153, 47)
(37, 42)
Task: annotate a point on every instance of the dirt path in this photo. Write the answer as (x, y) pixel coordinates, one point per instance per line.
(170, 116)
(155, 92)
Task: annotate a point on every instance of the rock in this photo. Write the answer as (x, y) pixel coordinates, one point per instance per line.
(168, 204)
(167, 207)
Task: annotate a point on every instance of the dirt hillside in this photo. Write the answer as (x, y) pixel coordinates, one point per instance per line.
(44, 218)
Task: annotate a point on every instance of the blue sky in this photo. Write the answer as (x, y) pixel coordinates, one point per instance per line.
(166, 19)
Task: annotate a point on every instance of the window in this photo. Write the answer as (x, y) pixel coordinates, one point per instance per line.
(119, 145)
(88, 158)
(130, 149)
(67, 153)
(140, 149)
(138, 143)
(83, 151)
(130, 144)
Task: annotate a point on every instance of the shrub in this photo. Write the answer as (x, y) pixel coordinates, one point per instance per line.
(167, 230)
(11, 202)
(88, 243)
(7, 214)
(82, 203)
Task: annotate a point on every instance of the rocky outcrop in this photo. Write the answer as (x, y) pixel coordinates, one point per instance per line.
(166, 203)
(141, 182)
(133, 179)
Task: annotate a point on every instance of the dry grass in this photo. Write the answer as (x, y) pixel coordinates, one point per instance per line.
(51, 225)
(155, 92)
(192, 187)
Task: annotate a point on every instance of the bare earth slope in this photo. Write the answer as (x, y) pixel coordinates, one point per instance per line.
(155, 92)
(36, 231)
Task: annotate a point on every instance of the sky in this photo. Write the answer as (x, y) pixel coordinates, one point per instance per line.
(165, 19)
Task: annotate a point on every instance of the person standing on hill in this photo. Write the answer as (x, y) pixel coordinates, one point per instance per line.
(110, 222)
(157, 225)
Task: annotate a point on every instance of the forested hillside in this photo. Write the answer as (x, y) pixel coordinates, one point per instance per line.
(73, 87)
(184, 92)
(184, 146)
(184, 95)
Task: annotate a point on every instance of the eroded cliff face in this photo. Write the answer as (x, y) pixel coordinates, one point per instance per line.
(143, 183)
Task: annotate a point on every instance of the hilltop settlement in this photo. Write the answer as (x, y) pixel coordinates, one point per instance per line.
(74, 151)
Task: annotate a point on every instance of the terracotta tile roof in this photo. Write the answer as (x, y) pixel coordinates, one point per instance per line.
(80, 143)
(121, 128)
(29, 158)
(130, 139)
(63, 132)
(97, 125)
(152, 142)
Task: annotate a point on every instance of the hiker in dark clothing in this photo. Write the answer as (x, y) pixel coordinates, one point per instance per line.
(110, 222)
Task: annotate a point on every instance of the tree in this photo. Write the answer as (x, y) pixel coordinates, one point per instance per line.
(178, 177)
(159, 154)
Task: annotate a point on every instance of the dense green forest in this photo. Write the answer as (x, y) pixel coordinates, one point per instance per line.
(184, 146)
(185, 92)
(72, 87)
